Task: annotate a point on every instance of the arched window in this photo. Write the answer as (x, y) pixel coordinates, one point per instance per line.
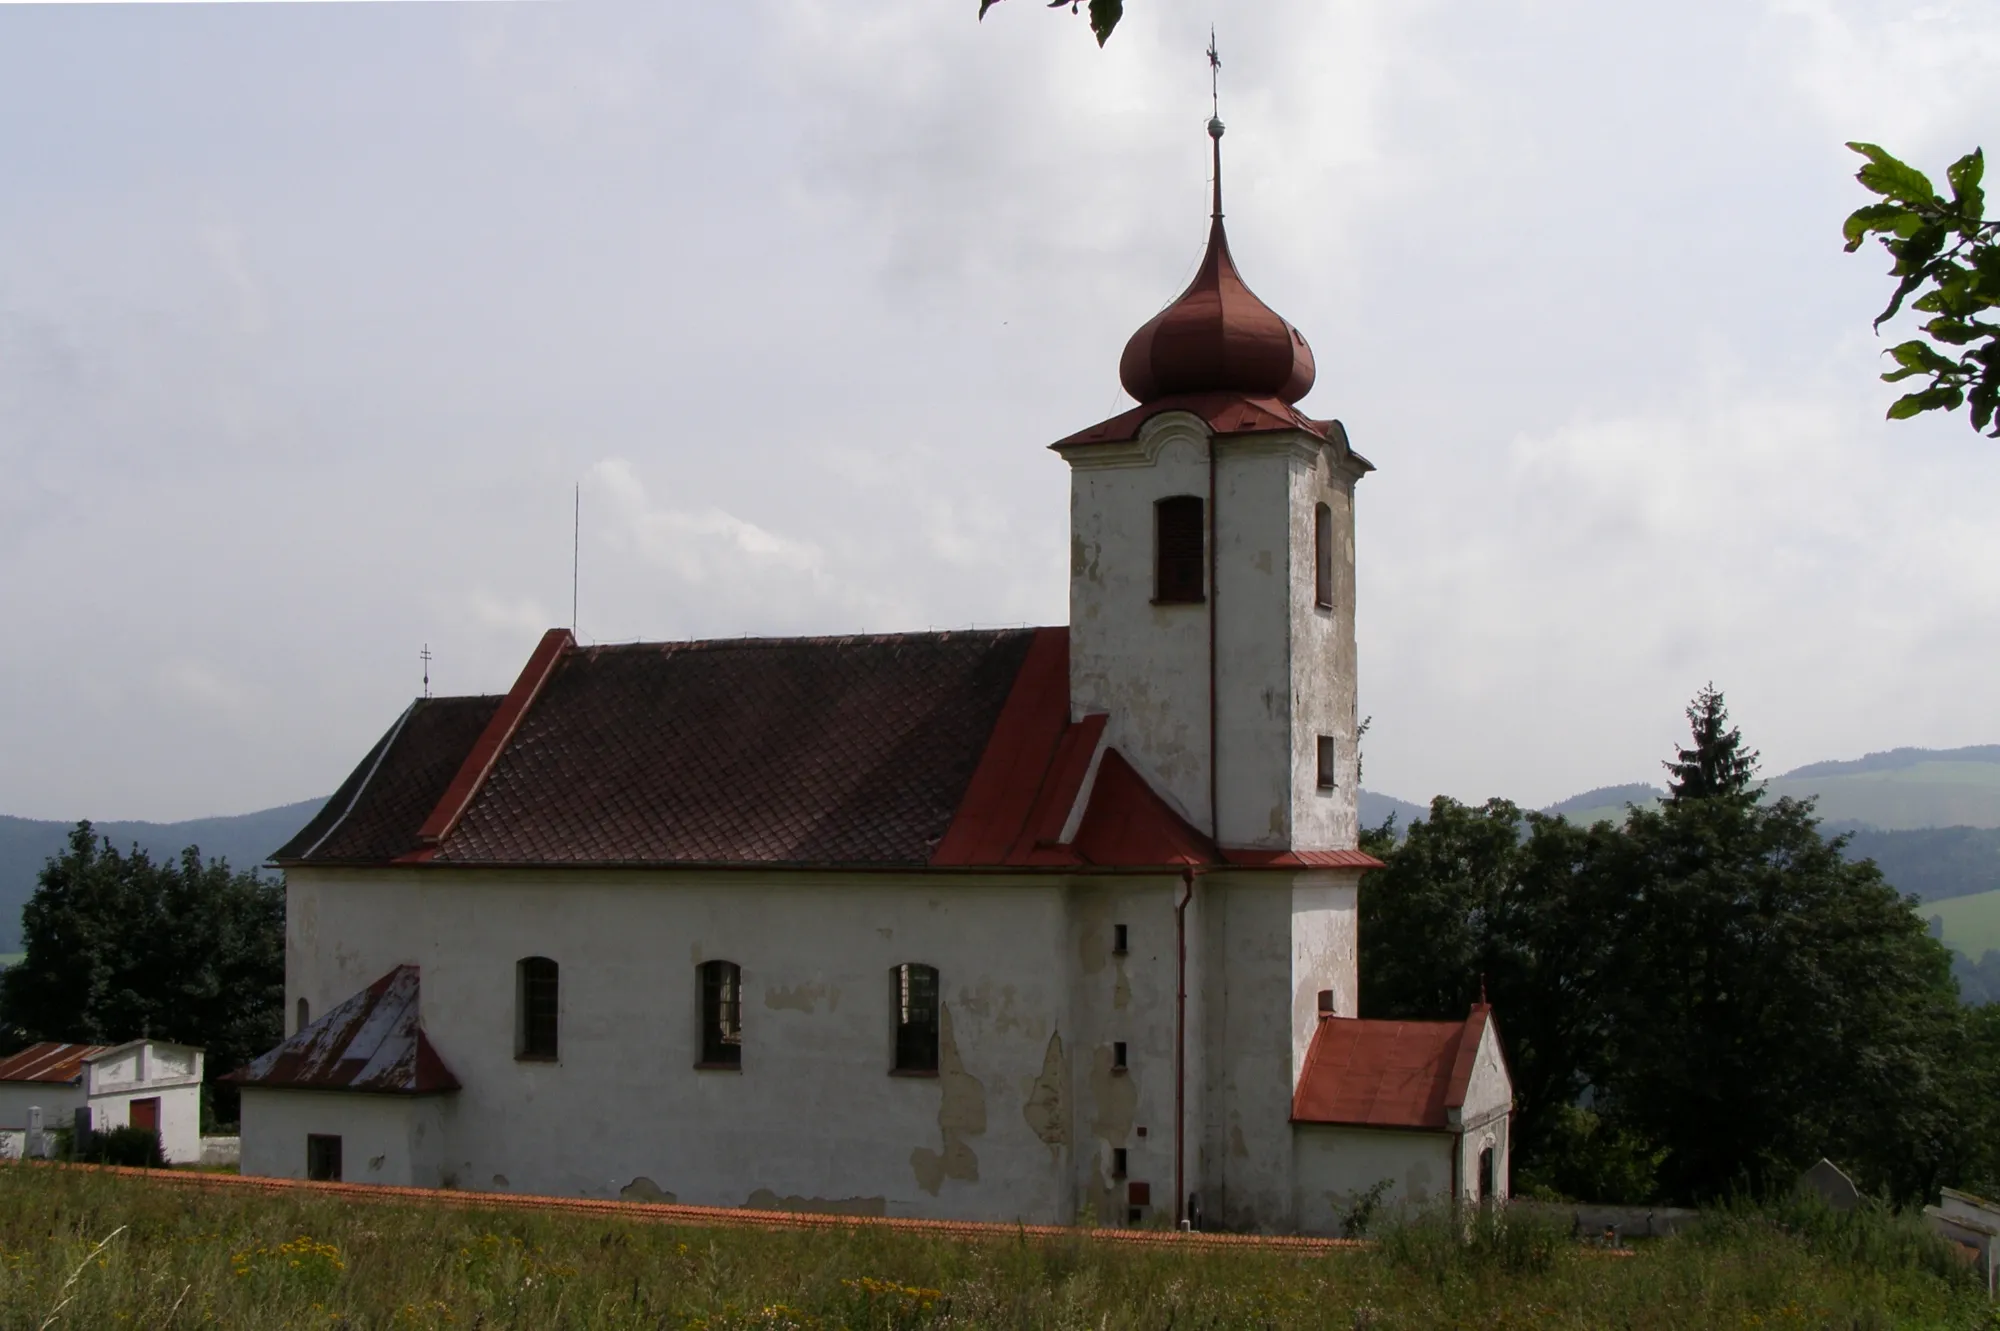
(537, 1009)
(1178, 545)
(305, 1017)
(721, 1015)
(913, 992)
(1323, 557)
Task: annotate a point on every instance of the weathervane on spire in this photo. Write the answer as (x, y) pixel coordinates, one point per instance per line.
(1215, 115)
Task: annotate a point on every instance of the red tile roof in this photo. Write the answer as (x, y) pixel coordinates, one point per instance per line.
(1388, 1074)
(373, 1042)
(49, 1061)
(946, 750)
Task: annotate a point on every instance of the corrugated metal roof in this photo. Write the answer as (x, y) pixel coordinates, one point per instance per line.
(374, 1041)
(48, 1062)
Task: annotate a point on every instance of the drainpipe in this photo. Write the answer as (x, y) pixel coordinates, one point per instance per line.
(1180, 1049)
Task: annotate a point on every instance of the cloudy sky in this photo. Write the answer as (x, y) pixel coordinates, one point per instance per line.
(312, 315)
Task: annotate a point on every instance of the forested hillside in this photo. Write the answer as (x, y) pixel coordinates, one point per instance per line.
(244, 840)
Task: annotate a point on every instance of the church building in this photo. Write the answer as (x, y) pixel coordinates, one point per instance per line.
(1044, 925)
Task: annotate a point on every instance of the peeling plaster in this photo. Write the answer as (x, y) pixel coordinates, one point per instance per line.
(1047, 1109)
(765, 1200)
(1114, 1098)
(961, 1114)
(643, 1189)
(802, 997)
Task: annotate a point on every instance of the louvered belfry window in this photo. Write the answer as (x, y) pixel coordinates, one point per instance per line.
(721, 1014)
(1178, 549)
(914, 990)
(1323, 557)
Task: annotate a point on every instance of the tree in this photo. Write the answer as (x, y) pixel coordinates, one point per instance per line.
(1104, 14)
(120, 947)
(1697, 1003)
(1946, 255)
(1491, 900)
(1718, 766)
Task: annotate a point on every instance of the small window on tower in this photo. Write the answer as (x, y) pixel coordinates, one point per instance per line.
(1323, 557)
(1178, 547)
(305, 1016)
(914, 990)
(721, 1015)
(1326, 781)
(1120, 939)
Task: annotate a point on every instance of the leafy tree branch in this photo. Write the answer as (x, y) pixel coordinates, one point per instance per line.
(1946, 255)
(1104, 14)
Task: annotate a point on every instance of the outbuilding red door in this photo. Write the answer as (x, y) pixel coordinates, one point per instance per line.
(146, 1113)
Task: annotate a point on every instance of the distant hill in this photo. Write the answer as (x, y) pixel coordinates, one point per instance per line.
(1375, 809)
(1904, 789)
(245, 840)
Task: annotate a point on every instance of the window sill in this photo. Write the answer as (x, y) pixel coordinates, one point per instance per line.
(1200, 600)
(921, 1074)
(1121, 1070)
(537, 1058)
(1323, 605)
(718, 1067)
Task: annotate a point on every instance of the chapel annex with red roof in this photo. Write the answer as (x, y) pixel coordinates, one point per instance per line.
(1018, 924)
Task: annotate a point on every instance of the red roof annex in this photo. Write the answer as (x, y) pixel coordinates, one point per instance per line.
(374, 1041)
(1388, 1074)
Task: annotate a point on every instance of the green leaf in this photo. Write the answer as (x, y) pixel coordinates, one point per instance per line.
(1950, 331)
(1916, 355)
(1964, 175)
(1895, 179)
(1871, 217)
(1104, 16)
(1910, 404)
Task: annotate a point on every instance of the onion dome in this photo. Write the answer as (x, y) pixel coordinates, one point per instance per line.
(1217, 336)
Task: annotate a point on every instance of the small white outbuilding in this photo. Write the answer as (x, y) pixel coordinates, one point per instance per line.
(141, 1083)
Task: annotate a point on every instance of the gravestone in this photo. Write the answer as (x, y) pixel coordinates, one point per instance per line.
(1826, 1182)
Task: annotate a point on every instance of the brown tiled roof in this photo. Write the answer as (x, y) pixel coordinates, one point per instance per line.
(48, 1062)
(751, 751)
(374, 1041)
(946, 750)
(1388, 1074)
(375, 814)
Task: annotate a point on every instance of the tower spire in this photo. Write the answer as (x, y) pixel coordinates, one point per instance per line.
(1215, 118)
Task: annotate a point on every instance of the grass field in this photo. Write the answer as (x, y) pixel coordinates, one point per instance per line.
(1971, 924)
(93, 1250)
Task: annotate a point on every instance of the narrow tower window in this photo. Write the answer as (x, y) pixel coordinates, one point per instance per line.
(721, 1015)
(915, 994)
(1120, 939)
(1323, 557)
(1178, 547)
(537, 1008)
(1326, 781)
(305, 1016)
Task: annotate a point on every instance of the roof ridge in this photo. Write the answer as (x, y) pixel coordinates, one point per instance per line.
(824, 639)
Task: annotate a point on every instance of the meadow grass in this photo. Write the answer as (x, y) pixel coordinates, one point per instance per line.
(80, 1249)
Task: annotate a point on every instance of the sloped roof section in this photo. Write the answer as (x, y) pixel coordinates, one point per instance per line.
(820, 751)
(50, 1062)
(373, 1042)
(1388, 1074)
(378, 810)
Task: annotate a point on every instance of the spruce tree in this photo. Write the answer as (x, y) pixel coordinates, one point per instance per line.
(1718, 766)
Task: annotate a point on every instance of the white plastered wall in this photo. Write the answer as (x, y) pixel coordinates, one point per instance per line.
(1325, 931)
(1486, 1118)
(813, 1120)
(149, 1070)
(387, 1139)
(59, 1102)
(1334, 1166)
(1323, 660)
(1146, 665)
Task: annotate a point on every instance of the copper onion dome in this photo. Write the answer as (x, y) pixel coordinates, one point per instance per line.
(1217, 336)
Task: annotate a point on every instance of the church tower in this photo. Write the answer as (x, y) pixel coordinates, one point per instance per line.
(1212, 570)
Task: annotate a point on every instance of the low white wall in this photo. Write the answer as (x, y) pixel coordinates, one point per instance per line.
(180, 1118)
(383, 1138)
(58, 1101)
(218, 1151)
(1332, 1166)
